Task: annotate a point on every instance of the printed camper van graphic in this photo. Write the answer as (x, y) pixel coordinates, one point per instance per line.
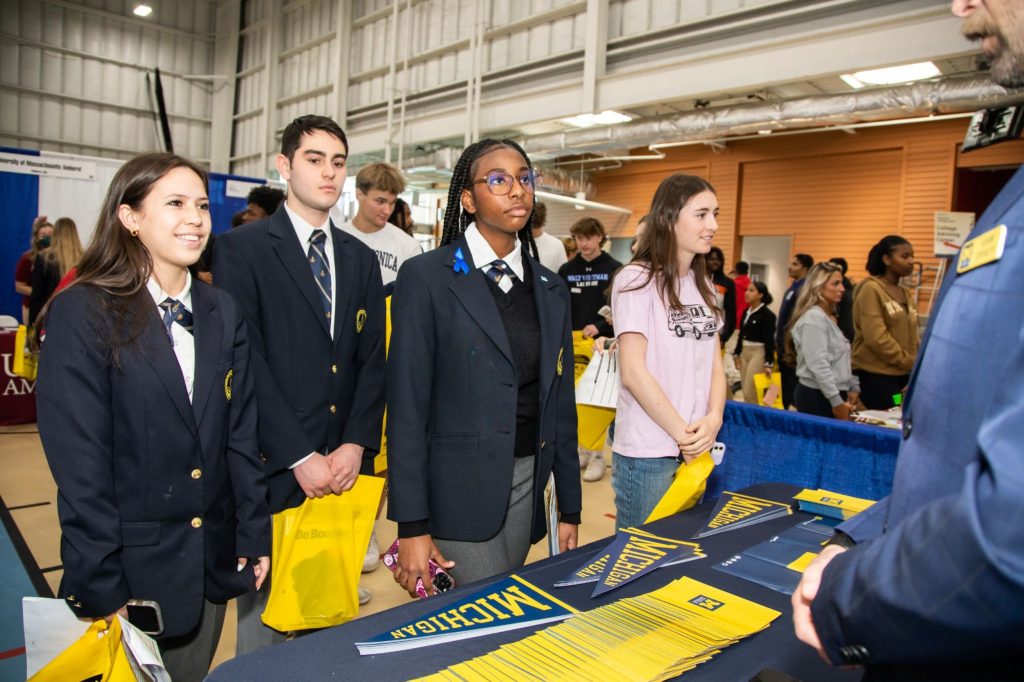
(695, 320)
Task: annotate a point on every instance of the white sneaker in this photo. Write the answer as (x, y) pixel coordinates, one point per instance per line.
(595, 469)
(372, 559)
(364, 596)
(584, 457)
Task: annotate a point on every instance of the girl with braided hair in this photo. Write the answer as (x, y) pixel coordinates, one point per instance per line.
(481, 404)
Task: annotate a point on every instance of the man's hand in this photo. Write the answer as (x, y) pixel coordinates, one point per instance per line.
(590, 331)
(567, 536)
(842, 411)
(414, 555)
(315, 477)
(345, 462)
(805, 593)
(700, 436)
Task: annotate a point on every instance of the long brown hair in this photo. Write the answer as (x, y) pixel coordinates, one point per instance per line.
(657, 248)
(65, 247)
(117, 262)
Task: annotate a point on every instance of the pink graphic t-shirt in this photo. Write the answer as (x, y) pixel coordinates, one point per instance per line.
(681, 347)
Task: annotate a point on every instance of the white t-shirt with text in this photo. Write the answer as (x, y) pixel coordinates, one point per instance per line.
(392, 246)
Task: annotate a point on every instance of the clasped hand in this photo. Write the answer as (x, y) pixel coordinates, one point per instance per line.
(699, 437)
(330, 474)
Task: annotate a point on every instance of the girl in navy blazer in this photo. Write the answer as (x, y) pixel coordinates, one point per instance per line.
(480, 383)
(148, 421)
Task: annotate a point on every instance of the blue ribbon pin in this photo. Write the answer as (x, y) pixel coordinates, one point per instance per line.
(460, 262)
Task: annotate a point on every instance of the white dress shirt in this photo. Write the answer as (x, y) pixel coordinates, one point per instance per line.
(304, 231)
(483, 256)
(183, 342)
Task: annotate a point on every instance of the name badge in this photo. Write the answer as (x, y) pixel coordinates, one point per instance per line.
(984, 249)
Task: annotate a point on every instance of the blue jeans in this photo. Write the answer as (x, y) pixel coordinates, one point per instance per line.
(639, 483)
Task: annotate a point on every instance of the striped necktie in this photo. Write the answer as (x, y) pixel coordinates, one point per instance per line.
(321, 270)
(175, 311)
(499, 271)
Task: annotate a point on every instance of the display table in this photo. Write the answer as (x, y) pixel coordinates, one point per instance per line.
(331, 654)
(17, 395)
(765, 444)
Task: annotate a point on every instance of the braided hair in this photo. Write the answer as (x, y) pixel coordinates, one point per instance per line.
(456, 219)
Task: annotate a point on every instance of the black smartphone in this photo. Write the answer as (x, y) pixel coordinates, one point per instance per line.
(145, 615)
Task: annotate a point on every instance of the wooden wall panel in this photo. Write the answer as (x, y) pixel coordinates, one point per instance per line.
(637, 189)
(836, 193)
(1002, 154)
(831, 205)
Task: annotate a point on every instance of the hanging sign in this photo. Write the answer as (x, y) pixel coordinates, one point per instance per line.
(52, 166)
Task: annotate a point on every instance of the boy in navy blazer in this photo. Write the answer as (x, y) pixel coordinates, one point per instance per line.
(314, 302)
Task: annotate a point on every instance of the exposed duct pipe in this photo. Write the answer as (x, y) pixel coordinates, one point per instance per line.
(918, 99)
(948, 95)
(444, 159)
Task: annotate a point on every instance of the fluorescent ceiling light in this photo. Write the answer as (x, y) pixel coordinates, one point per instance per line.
(606, 117)
(892, 75)
(851, 81)
(142, 10)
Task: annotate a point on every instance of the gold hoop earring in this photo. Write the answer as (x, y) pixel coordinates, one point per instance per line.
(135, 232)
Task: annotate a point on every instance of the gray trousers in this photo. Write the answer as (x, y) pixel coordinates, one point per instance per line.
(252, 633)
(508, 549)
(188, 657)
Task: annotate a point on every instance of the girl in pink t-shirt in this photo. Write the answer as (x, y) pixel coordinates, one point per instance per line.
(667, 322)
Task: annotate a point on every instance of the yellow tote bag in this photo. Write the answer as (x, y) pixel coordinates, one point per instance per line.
(593, 422)
(318, 556)
(761, 384)
(25, 361)
(98, 655)
(688, 485)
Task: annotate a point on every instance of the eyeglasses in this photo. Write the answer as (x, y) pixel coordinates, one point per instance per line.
(500, 184)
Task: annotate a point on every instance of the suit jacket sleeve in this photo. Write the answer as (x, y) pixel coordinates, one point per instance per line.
(947, 583)
(248, 482)
(367, 413)
(566, 465)
(769, 336)
(410, 381)
(73, 394)
(282, 440)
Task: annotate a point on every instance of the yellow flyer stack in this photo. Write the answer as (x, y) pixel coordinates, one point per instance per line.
(656, 636)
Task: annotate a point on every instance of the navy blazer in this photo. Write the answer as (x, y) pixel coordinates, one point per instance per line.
(935, 589)
(314, 392)
(156, 497)
(452, 390)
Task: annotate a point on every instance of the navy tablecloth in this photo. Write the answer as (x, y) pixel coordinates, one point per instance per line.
(331, 654)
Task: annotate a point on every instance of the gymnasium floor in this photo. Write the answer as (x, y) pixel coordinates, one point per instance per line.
(29, 493)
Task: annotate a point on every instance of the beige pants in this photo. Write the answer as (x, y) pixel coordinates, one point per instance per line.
(751, 362)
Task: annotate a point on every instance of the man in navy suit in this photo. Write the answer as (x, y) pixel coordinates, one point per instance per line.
(929, 582)
(315, 305)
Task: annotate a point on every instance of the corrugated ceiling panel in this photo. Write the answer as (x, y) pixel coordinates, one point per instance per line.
(84, 89)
